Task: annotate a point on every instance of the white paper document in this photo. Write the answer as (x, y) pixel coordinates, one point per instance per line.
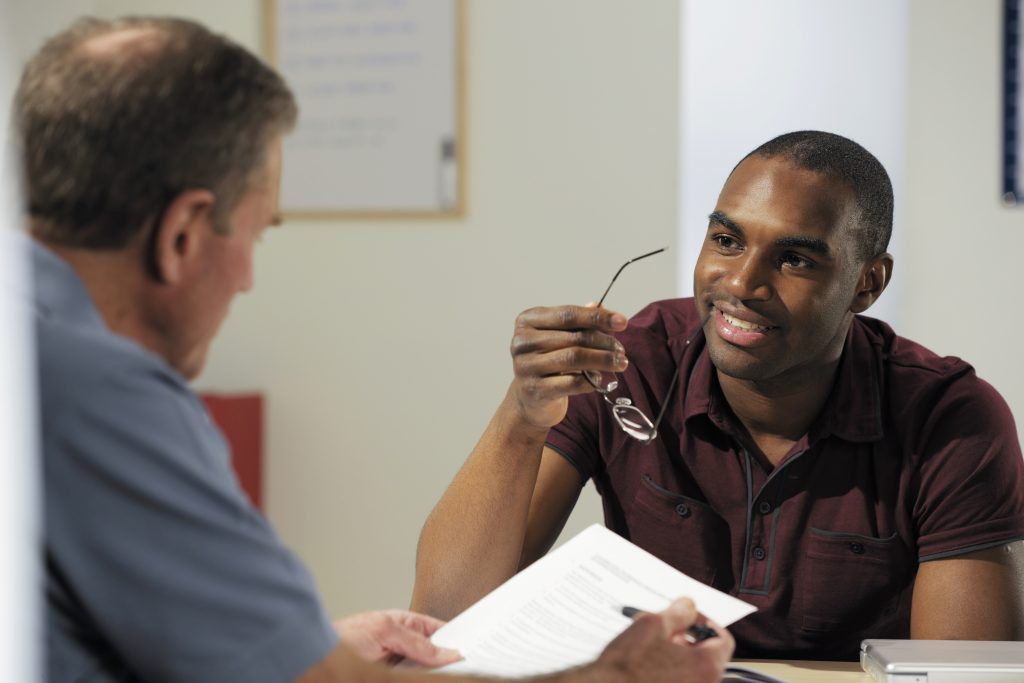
(565, 608)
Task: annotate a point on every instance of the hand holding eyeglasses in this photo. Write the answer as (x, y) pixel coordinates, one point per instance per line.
(551, 348)
(566, 350)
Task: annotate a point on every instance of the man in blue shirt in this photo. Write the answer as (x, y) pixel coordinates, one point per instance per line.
(151, 151)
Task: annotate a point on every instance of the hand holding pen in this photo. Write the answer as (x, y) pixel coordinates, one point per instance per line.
(694, 634)
(657, 648)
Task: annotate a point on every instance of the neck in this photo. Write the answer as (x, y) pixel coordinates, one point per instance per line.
(118, 286)
(778, 412)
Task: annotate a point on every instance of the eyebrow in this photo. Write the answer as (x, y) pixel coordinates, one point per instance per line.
(813, 244)
(726, 222)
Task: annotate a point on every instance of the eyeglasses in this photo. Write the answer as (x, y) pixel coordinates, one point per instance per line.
(631, 419)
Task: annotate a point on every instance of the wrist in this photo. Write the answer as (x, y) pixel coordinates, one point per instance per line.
(517, 423)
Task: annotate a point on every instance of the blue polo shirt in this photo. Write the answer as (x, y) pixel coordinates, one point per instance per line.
(157, 566)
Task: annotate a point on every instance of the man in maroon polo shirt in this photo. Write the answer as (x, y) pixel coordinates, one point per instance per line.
(847, 481)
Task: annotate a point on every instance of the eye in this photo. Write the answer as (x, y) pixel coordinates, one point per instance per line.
(725, 241)
(793, 260)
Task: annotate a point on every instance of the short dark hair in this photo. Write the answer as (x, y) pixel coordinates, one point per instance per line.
(842, 159)
(109, 137)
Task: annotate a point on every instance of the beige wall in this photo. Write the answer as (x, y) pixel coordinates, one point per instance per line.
(961, 265)
(382, 346)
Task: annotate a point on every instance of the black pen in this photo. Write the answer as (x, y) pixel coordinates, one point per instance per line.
(694, 634)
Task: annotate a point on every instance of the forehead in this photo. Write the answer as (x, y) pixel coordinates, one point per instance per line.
(774, 193)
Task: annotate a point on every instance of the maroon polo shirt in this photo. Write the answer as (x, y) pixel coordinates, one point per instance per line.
(913, 458)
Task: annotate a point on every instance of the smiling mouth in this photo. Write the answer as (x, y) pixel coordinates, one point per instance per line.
(743, 324)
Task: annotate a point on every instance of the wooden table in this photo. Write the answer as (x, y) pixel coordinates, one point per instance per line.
(809, 672)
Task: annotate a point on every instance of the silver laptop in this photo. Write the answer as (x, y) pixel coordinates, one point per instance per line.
(943, 661)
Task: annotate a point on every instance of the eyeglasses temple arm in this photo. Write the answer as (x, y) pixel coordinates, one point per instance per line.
(675, 375)
(614, 277)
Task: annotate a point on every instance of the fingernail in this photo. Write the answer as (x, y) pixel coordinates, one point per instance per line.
(621, 361)
(618, 320)
(618, 347)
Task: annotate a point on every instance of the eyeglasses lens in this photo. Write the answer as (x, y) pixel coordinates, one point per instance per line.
(633, 421)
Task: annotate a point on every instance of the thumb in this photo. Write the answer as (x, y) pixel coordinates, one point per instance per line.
(679, 616)
(418, 648)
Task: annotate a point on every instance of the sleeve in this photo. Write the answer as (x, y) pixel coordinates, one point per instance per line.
(575, 438)
(970, 493)
(163, 552)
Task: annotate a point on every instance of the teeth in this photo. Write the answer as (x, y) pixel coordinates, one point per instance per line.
(743, 324)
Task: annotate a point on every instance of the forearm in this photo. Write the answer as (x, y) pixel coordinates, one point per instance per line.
(649, 651)
(473, 539)
(343, 666)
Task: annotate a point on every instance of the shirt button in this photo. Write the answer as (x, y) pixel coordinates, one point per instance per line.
(857, 548)
(683, 510)
(764, 507)
(759, 553)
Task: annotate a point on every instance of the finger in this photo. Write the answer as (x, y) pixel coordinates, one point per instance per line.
(722, 633)
(421, 623)
(721, 648)
(528, 340)
(571, 318)
(569, 361)
(679, 616)
(551, 388)
(417, 647)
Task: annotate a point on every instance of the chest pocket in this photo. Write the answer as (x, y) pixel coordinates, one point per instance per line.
(684, 532)
(852, 581)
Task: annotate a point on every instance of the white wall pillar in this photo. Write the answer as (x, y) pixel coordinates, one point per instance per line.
(19, 595)
(752, 70)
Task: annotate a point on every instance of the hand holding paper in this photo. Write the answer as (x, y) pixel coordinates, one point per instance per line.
(563, 610)
(655, 648)
(390, 636)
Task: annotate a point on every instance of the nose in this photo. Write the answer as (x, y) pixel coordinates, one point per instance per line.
(750, 279)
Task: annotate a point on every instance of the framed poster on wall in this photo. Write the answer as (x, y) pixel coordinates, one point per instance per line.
(379, 87)
(1013, 106)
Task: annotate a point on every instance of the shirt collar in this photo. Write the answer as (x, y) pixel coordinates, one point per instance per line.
(853, 411)
(59, 293)
(854, 408)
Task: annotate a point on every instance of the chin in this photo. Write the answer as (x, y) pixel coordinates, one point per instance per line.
(190, 372)
(738, 365)
(192, 366)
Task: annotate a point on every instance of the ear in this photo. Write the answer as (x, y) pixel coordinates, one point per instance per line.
(873, 280)
(179, 234)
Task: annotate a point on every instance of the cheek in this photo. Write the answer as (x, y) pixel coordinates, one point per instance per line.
(242, 268)
(706, 270)
(839, 296)
(823, 311)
